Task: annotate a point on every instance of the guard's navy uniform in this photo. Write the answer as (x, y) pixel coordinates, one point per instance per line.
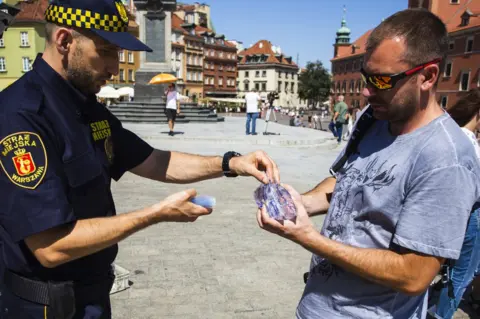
(59, 150)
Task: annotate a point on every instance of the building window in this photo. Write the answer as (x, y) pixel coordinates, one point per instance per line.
(130, 57)
(344, 87)
(359, 85)
(131, 75)
(257, 86)
(444, 102)
(279, 88)
(121, 56)
(24, 39)
(448, 69)
(338, 87)
(26, 64)
(2, 44)
(264, 87)
(257, 74)
(264, 74)
(246, 74)
(465, 81)
(451, 45)
(469, 45)
(352, 84)
(122, 75)
(3, 65)
(293, 87)
(220, 81)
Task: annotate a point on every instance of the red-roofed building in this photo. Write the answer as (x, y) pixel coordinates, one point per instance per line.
(462, 71)
(210, 60)
(220, 66)
(346, 64)
(264, 67)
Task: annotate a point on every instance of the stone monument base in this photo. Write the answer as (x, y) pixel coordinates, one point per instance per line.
(149, 93)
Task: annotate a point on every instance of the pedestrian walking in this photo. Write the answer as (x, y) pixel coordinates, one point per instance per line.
(340, 117)
(252, 100)
(172, 108)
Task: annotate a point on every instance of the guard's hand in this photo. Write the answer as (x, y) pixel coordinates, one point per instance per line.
(256, 164)
(297, 230)
(178, 208)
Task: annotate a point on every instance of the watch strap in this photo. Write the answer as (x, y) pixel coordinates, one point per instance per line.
(226, 163)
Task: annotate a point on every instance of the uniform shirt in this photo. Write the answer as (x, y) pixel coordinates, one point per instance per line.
(59, 150)
(414, 191)
(251, 99)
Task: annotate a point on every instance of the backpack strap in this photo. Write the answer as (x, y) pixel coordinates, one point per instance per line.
(364, 123)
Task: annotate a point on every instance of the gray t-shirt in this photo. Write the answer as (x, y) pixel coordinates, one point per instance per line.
(415, 191)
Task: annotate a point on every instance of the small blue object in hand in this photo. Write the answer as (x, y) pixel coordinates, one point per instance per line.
(205, 201)
(278, 201)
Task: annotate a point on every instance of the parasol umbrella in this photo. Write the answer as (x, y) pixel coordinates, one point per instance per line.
(108, 92)
(126, 91)
(163, 78)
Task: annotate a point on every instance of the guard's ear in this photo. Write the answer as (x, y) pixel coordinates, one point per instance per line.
(63, 40)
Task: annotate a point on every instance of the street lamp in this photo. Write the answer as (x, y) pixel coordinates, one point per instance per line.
(7, 14)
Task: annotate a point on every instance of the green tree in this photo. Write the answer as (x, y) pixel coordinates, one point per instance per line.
(314, 84)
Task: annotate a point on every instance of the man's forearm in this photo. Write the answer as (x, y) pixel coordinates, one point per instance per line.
(317, 201)
(188, 168)
(66, 243)
(383, 267)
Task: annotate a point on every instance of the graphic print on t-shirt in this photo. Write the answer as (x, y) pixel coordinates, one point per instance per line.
(348, 200)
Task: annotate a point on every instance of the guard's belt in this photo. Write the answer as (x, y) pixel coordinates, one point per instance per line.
(41, 292)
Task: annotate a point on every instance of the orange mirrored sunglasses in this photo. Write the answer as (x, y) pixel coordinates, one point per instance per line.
(388, 81)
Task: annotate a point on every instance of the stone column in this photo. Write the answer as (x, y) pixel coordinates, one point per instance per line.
(154, 20)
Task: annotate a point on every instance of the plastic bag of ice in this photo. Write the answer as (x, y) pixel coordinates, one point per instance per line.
(278, 201)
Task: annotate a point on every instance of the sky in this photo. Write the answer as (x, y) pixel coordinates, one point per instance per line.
(304, 27)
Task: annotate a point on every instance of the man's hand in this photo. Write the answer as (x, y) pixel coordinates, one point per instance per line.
(178, 208)
(255, 164)
(297, 230)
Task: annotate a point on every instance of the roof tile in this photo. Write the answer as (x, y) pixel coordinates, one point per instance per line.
(265, 47)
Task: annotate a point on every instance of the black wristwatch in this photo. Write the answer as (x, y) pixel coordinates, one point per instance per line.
(226, 163)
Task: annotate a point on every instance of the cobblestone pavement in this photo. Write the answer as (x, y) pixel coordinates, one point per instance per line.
(223, 265)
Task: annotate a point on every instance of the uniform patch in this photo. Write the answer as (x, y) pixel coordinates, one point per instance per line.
(24, 159)
(109, 149)
(121, 11)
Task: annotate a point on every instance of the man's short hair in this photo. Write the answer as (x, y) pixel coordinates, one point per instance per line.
(50, 29)
(425, 36)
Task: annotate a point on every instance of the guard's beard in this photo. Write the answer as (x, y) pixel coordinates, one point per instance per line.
(79, 76)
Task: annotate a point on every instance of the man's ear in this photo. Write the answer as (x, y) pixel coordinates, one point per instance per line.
(430, 77)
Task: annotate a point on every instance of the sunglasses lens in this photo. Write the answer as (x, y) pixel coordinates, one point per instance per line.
(381, 82)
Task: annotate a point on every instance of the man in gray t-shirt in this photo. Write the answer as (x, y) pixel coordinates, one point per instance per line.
(399, 206)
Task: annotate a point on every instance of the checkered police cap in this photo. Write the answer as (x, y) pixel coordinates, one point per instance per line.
(106, 18)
